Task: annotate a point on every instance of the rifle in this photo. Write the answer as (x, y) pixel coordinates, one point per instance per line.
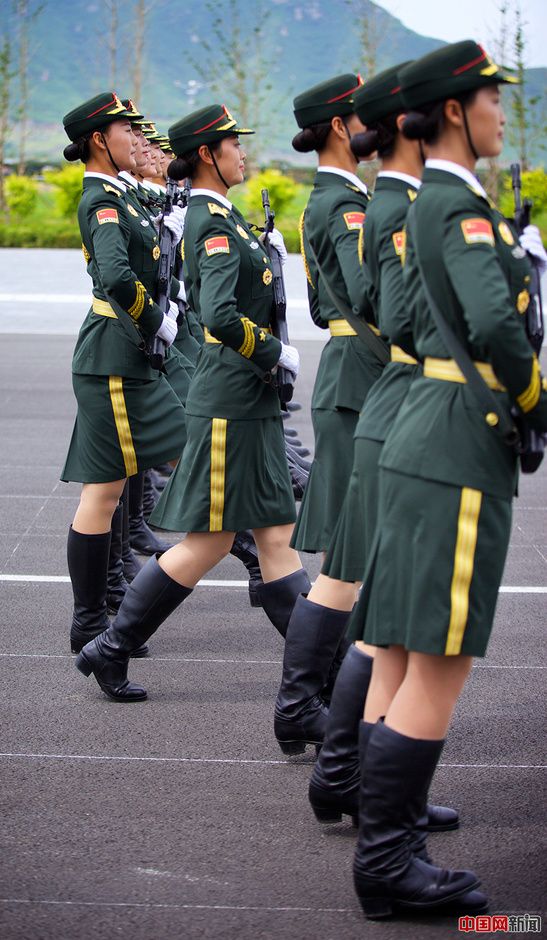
(532, 443)
(158, 347)
(283, 379)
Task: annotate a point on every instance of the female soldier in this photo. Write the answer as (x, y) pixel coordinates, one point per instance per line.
(330, 227)
(447, 474)
(334, 786)
(233, 473)
(128, 417)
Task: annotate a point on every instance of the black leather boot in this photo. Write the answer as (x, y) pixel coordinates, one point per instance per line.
(396, 772)
(87, 557)
(313, 635)
(299, 477)
(334, 784)
(148, 601)
(141, 537)
(131, 564)
(150, 495)
(279, 597)
(339, 656)
(116, 584)
(244, 548)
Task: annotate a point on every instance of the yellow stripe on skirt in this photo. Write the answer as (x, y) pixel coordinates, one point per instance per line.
(218, 474)
(464, 559)
(115, 383)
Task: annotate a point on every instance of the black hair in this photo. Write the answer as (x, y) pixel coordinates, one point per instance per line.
(426, 122)
(185, 165)
(79, 148)
(313, 137)
(379, 136)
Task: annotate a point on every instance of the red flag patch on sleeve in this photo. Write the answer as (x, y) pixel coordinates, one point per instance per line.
(107, 215)
(354, 220)
(477, 231)
(218, 245)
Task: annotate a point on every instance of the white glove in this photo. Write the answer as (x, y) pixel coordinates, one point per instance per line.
(182, 293)
(289, 359)
(168, 329)
(173, 223)
(275, 238)
(180, 213)
(173, 311)
(532, 243)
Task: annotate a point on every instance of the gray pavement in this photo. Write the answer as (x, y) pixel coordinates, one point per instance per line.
(179, 817)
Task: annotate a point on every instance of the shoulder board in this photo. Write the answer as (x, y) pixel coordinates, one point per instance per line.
(484, 198)
(412, 193)
(215, 209)
(112, 189)
(355, 188)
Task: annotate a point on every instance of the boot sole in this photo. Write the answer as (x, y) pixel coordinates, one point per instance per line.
(85, 667)
(378, 908)
(298, 747)
(326, 815)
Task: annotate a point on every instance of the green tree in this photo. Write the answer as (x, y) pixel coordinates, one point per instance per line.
(533, 186)
(282, 190)
(21, 195)
(6, 75)
(67, 184)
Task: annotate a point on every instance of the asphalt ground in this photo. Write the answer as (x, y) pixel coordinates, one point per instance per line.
(179, 817)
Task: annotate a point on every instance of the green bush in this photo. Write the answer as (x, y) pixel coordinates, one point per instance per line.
(534, 187)
(52, 233)
(282, 190)
(68, 189)
(21, 195)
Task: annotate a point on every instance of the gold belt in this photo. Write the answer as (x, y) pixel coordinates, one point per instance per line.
(449, 371)
(399, 355)
(212, 339)
(342, 328)
(103, 308)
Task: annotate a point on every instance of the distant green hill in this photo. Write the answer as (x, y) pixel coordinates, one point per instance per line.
(308, 41)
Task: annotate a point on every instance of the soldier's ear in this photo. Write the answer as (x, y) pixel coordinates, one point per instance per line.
(205, 154)
(453, 112)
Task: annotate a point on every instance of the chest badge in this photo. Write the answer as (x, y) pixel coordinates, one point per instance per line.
(267, 276)
(156, 252)
(132, 210)
(254, 245)
(241, 231)
(144, 222)
(523, 301)
(506, 233)
(518, 252)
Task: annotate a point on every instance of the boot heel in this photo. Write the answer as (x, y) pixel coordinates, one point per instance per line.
(83, 665)
(376, 908)
(292, 747)
(325, 815)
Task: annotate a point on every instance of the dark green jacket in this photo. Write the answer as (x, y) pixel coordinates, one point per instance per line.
(228, 281)
(478, 274)
(333, 220)
(382, 264)
(120, 245)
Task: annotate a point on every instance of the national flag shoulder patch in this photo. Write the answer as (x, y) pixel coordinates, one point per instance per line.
(218, 245)
(399, 242)
(107, 215)
(478, 231)
(354, 220)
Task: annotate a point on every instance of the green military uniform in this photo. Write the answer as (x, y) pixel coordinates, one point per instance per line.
(348, 368)
(128, 418)
(233, 474)
(448, 476)
(383, 240)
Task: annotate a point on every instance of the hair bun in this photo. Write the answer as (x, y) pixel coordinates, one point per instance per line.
(365, 143)
(178, 169)
(72, 152)
(305, 141)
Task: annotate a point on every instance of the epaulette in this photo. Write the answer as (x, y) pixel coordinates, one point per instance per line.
(478, 193)
(215, 209)
(412, 194)
(112, 189)
(355, 188)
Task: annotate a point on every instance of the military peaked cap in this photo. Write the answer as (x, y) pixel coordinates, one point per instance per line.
(135, 116)
(96, 112)
(203, 127)
(380, 96)
(325, 101)
(448, 72)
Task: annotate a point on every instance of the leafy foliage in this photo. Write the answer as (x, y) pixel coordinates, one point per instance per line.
(21, 195)
(68, 188)
(533, 186)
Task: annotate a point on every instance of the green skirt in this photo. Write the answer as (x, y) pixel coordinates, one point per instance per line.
(350, 545)
(233, 475)
(328, 481)
(436, 565)
(122, 426)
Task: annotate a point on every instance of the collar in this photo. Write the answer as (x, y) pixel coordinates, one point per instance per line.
(211, 194)
(113, 180)
(458, 170)
(404, 177)
(346, 174)
(128, 179)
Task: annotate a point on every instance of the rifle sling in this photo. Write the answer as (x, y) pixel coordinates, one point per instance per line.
(486, 400)
(363, 330)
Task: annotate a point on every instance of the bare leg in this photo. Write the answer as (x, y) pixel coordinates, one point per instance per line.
(425, 701)
(388, 673)
(97, 504)
(190, 560)
(277, 559)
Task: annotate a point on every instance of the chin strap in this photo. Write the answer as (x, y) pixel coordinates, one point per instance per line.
(217, 169)
(109, 154)
(422, 154)
(470, 142)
